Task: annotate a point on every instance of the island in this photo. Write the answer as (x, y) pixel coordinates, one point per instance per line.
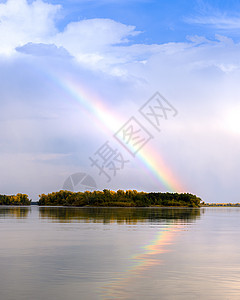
(120, 198)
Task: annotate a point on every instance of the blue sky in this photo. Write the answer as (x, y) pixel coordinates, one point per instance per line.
(73, 72)
(159, 21)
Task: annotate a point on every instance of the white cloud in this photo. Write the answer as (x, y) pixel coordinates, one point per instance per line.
(92, 41)
(94, 34)
(21, 23)
(213, 17)
(218, 21)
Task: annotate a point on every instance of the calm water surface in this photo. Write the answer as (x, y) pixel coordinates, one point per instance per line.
(119, 253)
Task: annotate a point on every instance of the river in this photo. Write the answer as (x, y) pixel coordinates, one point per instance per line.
(119, 253)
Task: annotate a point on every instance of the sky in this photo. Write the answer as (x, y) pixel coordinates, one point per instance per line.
(130, 94)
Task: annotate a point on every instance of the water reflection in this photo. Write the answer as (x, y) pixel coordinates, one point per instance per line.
(173, 222)
(66, 252)
(169, 223)
(148, 257)
(18, 212)
(119, 215)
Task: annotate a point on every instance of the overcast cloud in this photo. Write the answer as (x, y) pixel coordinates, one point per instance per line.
(46, 134)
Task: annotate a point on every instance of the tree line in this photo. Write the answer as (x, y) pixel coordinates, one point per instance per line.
(107, 198)
(129, 198)
(19, 199)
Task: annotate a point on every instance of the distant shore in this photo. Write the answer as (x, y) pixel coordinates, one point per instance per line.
(220, 205)
(107, 198)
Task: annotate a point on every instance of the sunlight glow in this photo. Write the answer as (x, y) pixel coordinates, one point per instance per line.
(232, 121)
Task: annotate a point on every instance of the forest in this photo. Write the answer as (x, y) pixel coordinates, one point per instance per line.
(129, 198)
(19, 199)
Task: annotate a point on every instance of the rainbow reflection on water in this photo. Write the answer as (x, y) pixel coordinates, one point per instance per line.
(147, 257)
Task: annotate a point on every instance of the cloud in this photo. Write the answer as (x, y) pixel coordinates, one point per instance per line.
(215, 18)
(31, 28)
(91, 41)
(43, 50)
(219, 21)
(48, 132)
(21, 23)
(94, 34)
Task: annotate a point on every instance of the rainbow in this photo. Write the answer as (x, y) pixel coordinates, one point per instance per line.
(89, 101)
(155, 163)
(103, 116)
